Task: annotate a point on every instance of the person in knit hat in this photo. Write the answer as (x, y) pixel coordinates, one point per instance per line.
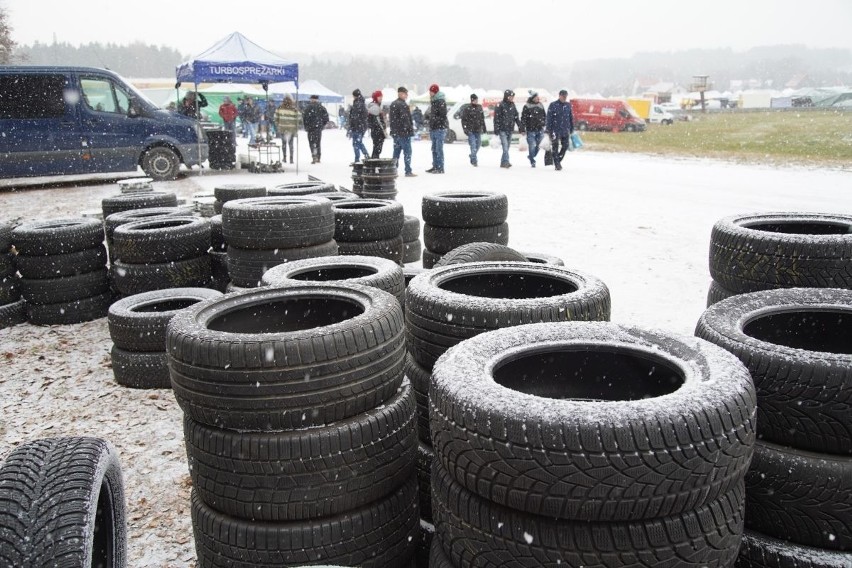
(438, 125)
(378, 126)
(358, 124)
(533, 119)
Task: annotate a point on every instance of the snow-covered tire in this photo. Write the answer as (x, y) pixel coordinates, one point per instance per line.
(383, 534)
(800, 496)
(430, 259)
(592, 421)
(411, 251)
(465, 208)
(365, 220)
(716, 293)
(5, 236)
(420, 378)
(542, 258)
(301, 188)
(445, 239)
(782, 250)
(57, 236)
(219, 270)
(305, 473)
(129, 279)
(9, 288)
(138, 322)
(268, 223)
(761, 551)
(452, 303)
(390, 249)
(410, 228)
(246, 267)
(128, 201)
(13, 313)
(74, 311)
(795, 344)
(437, 557)
(217, 240)
(61, 265)
(372, 271)
(140, 370)
(425, 457)
(64, 289)
(230, 191)
(480, 252)
(62, 504)
(478, 533)
(279, 358)
(131, 215)
(159, 240)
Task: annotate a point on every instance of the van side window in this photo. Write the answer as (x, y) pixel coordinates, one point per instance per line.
(103, 96)
(32, 96)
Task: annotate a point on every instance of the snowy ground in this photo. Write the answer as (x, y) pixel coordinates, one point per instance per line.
(640, 223)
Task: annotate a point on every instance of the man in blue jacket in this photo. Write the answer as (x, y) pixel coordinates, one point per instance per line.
(560, 126)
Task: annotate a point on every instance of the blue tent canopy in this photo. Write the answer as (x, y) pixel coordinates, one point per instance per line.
(236, 59)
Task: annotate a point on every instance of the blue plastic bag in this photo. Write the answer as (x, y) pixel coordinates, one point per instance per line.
(576, 141)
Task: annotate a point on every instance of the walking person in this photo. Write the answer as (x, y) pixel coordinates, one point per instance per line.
(473, 124)
(505, 119)
(228, 114)
(438, 125)
(376, 119)
(560, 126)
(287, 126)
(401, 130)
(358, 124)
(251, 116)
(533, 120)
(315, 118)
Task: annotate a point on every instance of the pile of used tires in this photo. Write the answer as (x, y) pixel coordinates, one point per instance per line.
(370, 227)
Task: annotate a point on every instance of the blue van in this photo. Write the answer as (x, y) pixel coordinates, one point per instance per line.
(79, 120)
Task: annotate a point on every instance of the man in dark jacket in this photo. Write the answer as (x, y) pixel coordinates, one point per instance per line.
(401, 129)
(315, 118)
(560, 126)
(505, 119)
(533, 119)
(473, 123)
(358, 124)
(438, 125)
(189, 106)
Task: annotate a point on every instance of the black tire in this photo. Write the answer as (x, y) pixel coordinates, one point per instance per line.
(542, 258)
(480, 252)
(217, 240)
(410, 228)
(553, 395)
(138, 322)
(308, 473)
(478, 533)
(782, 250)
(800, 496)
(130, 201)
(246, 267)
(760, 551)
(58, 236)
(390, 249)
(230, 191)
(450, 137)
(62, 504)
(9, 288)
(280, 358)
(465, 209)
(129, 279)
(300, 188)
(75, 311)
(383, 534)
(140, 370)
(582, 126)
(411, 251)
(219, 271)
(161, 240)
(5, 236)
(420, 378)
(7, 263)
(335, 196)
(445, 239)
(425, 457)
(122, 217)
(430, 259)
(365, 220)
(424, 550)
(372, 271)
(13, 313)
(795, 345)
(65, 289)
(716, 293)
(277, 222)
(61, 265)
(160, 163)
(437, 557)
(453, 303)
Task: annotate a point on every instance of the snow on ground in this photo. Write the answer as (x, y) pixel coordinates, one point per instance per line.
(640, 223)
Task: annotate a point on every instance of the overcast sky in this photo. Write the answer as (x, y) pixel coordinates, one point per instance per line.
(438, 29)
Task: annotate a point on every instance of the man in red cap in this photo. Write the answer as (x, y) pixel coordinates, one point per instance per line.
(376, 119)
(438, 125)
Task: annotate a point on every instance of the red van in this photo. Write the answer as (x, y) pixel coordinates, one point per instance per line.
(605, 114)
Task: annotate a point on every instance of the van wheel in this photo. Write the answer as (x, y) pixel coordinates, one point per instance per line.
(160, 163)
(582, 126)
(450, 137)
(667, 122)
(630, 128)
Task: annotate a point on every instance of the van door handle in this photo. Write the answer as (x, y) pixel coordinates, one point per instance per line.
(68, 124)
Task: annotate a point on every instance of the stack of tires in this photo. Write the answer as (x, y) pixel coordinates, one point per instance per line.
(379, 178)
(448, 305)
(455, 218)
(370, 227)
(299, 427)
(230, 191)
(12, 307)
(264, 232)
(122, 217)
(411, 245)
(796, 344)
(137, 327)
(218, 254)
(62, 264)
(357, 178)
(589, 444)
(159, 253)
(765, 251)
(137, 200)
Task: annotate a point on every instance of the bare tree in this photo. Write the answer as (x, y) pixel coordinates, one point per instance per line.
(6, 43)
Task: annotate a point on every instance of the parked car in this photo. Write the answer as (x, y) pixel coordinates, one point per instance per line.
(455, 130)
(605, 114)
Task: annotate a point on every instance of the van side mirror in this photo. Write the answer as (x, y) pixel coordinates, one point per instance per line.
(133, 108)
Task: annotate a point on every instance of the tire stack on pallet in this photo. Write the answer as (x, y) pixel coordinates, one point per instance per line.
(379, 178)
(369, 227)
(12, 307)
(299, 427)
(412, 248)
(447, 305)
(796, 345)
(589, 444)
(62, 264)
(263, 232)
(455, 218)
(137, 327)
(765, 251)
(160, 253)
(230, 191)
